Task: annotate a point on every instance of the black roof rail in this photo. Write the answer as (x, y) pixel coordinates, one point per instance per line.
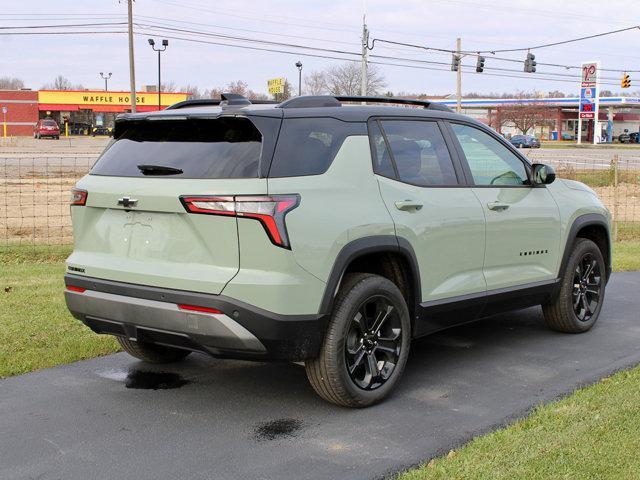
(336, 101)
(225, 100)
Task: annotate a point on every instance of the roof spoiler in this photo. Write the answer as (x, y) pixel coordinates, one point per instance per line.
(337, 100)
(225, 100)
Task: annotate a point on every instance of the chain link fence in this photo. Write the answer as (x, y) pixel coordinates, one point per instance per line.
(35, 191)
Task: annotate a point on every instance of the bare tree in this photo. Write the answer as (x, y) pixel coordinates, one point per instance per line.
(526, 116)
(11, 83)
(169, 87)
(193, 90)
(344, 79)
(315, 83)
(238, 87)
(62, 83)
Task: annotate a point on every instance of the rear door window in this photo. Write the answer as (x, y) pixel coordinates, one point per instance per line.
(307, 146)
(226, 147)
(419, 152)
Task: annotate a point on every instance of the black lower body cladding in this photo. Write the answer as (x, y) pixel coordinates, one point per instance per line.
(278, 337)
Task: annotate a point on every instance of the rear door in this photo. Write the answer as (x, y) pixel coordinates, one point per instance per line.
(135, 228)
(523, 222)
(432, 209)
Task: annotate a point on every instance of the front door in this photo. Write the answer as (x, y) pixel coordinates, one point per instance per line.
(522, 221)
(421, 185)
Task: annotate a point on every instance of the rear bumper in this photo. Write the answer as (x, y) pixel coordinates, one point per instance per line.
(151, 314)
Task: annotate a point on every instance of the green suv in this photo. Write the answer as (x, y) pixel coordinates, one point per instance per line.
(325, 230)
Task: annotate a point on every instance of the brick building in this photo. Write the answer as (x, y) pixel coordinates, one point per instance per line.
(22, 111)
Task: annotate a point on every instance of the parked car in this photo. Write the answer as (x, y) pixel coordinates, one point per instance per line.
(568, 136)
(624, 137)
(634, 137)
(525, 141)
(319, 232)
(46, 127)
(101, 130)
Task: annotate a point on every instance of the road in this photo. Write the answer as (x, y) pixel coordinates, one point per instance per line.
(102, 419)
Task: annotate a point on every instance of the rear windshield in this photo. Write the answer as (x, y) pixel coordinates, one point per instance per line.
(227, 147)
(306, 146)
(49, 123)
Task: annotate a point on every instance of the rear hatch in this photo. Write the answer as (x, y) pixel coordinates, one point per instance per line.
(134, 225)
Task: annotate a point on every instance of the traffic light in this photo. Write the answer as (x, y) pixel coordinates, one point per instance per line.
(626, 81)
(480, 64)
(530, 63)
(455, 62)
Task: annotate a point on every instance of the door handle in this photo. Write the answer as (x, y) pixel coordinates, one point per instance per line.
(408, 205)
(497, 206)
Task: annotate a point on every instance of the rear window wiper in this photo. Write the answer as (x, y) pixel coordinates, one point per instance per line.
(158, 170)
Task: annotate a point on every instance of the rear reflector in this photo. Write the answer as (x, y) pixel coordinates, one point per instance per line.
(78, 197)
(195, 308)
(268, 210)
(76, 289)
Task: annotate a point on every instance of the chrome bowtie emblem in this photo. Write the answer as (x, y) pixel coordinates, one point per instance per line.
(127, 202)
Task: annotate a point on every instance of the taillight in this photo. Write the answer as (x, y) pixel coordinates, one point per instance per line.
(268, 210)
(78, 197)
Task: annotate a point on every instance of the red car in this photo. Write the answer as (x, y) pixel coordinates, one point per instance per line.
(46, 127)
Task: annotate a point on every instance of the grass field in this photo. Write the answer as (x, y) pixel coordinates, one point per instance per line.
(592, 434)
(36, 329)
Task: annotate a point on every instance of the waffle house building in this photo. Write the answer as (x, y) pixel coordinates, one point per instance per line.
(84, 109)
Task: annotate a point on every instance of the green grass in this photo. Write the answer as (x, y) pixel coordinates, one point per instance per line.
(626, 255)
(36, 330)
(592, 434)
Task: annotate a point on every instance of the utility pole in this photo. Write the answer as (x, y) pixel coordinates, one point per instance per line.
(365, 55)
(132, 68)
(459, 77)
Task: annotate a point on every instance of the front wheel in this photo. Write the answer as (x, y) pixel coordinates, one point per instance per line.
(150, 353)
(366, 344)
(579, 302)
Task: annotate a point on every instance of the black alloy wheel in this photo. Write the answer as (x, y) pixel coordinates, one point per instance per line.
(373, 343)
(587, 284)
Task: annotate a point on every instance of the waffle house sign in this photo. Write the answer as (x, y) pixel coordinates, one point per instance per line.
(99, 100)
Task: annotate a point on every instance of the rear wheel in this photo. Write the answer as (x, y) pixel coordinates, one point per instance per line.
(579, 302)
(366, 344)
(150, 353)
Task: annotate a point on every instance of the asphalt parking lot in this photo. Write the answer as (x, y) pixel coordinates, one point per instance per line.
(114, 417)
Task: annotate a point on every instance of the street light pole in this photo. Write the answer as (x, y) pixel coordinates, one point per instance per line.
(106, 79)
(299, 65)
(165, 43)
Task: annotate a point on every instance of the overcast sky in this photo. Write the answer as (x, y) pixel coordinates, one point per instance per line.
(329, 24)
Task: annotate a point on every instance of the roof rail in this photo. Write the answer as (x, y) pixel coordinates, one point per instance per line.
(336, 101)
(225, 100)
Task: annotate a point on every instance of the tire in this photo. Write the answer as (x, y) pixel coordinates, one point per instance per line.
(576, 309)
(151, 353)
(344, 343)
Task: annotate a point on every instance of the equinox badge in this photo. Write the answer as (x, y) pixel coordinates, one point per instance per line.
(127, 202)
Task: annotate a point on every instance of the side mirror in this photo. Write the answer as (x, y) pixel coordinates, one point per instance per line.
(543, 174)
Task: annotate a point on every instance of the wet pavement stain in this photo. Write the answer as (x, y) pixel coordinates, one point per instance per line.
(275, 429)
(140, 379)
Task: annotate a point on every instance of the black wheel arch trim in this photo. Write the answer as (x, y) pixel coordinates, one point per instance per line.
(586, 220)
(365, 246)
